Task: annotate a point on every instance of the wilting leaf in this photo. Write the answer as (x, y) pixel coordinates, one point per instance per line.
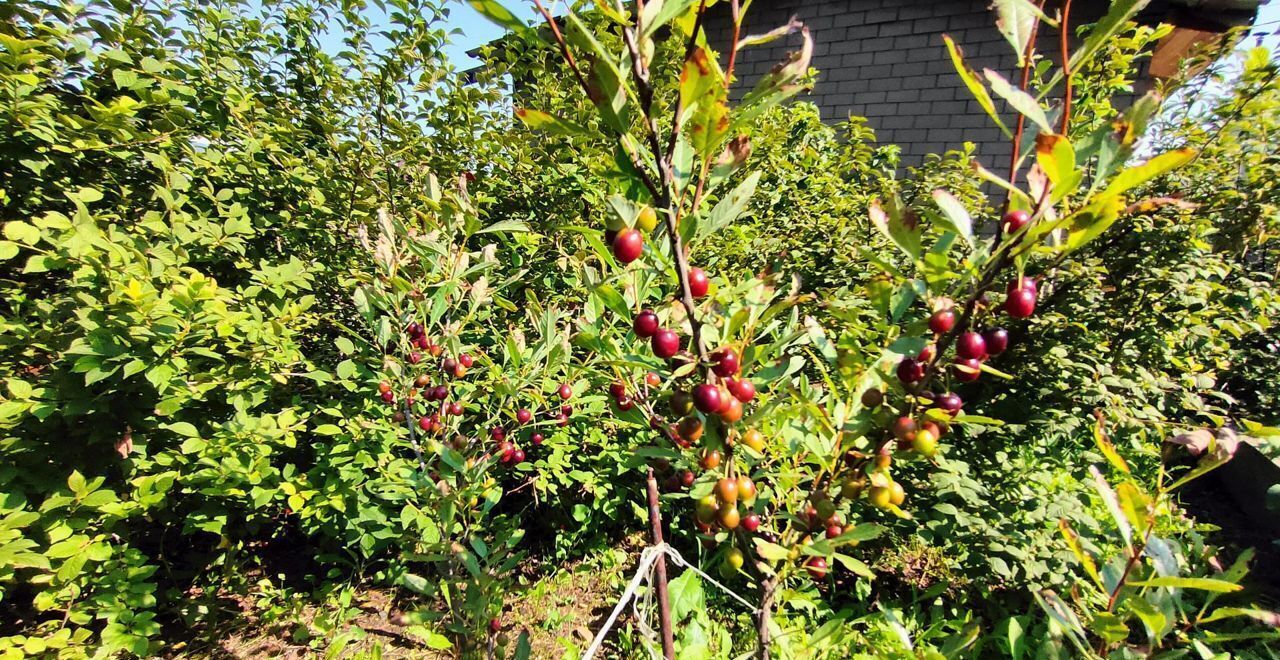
(1086, 560)
(703, 95)
(893, 225)
(1016, 20)
(781, 82)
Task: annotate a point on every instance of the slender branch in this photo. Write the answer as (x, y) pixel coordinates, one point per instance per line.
(1065, 36)
(665, 198)
(736, 13)
(1028, 58)
(564, 46)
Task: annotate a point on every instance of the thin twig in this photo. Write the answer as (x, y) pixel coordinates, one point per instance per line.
(1028, 58)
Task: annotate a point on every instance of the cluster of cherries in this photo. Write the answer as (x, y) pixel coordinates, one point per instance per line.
(508, 452)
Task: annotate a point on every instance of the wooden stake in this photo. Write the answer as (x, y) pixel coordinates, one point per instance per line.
(664, 602)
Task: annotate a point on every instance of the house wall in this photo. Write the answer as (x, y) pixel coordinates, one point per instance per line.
(885, 60)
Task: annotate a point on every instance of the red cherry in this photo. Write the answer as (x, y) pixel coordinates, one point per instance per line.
(698, 282)
(628, 245)
(1025, 283)
(942, 321)
(1021, 303)
(742, 389)
(495, 624)
(834, 531)
(563, 420)
(384, 387)
(440, 393)
(566, 410)
(665, 343)
(415, 357)
(1015, 220)
(449, 365)
(817, 567)
(455, 408)
(910, 370)
(707, 398)
(971, 371)
(624, 403)
(388, 396)
(565, 391)
(652, 379)
(971, 346)
(523, 416)
(751, 522)
(949, 402)
(414, 329)
(646, 324)
(997, 340)
(927, 353)
(497, 433)
(423, 343)
(726, 362)
(536, 439)
(686, 478)
(517, 456)
(424, 423)
(465, 360)
(617, 389)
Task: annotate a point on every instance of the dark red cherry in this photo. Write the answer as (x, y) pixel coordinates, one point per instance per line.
(707, 398)
(1021, 303)
(997, 340)
(466, 360)
(698, 283)
(949, 402)
(628, 245)
(646, 324)
(970, 372)
(971, 346)
(1015, 220)
(565, 391)
(665, 343)
(910, 370)
(536, 439)
(617, 389)
(742, 389)
(726, 362)
(942, 321)
(523, 416)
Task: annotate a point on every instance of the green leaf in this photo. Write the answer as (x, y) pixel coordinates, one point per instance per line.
(1018, 100)
(769, 551)
(8, 250)
(685, 594)
(543, 121)
(976, 88)
(1091, 221)
(21, 232)
(855, 566)
(730, 207)
(1199, 584)
(957, 218)
(666, 10)
(345, 346)
(612, 299)
(523, 648)
(505, 226)
(498, 14)
(18, 388)
(1109, 627)
(184, 428)
(1135, 176)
